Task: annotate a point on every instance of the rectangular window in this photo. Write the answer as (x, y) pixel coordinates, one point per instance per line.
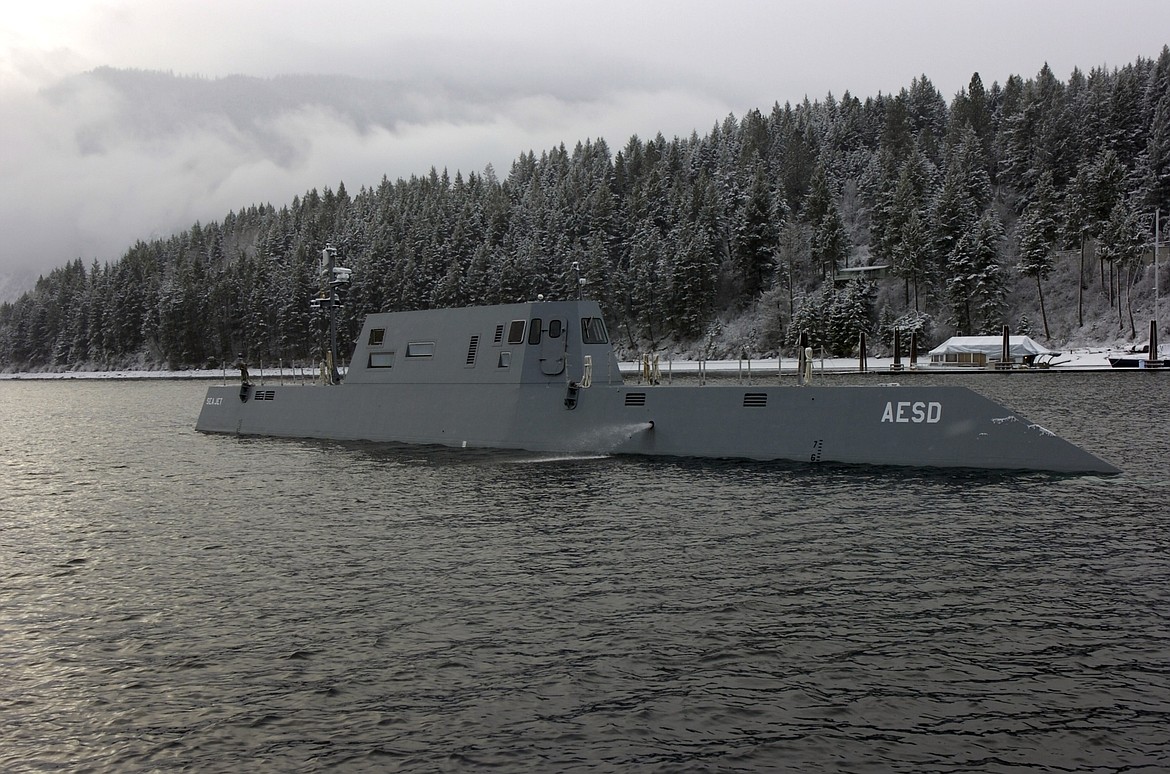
(420, 349)
(381, 360)
(593, 331)
(516, 332)
(534, 331)
(376, 336)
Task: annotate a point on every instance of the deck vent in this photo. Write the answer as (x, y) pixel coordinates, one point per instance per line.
(635, 399)
(472, 348)
(755, 399)
(264, 395)
(499, 335)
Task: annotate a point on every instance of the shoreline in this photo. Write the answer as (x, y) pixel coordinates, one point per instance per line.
(1095, 359)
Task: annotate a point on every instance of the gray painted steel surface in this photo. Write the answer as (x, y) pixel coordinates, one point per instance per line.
(514, 376)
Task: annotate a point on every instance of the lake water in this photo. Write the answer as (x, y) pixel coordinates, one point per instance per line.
(170, 600)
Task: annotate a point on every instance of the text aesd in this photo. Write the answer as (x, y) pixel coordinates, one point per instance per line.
(913, 411)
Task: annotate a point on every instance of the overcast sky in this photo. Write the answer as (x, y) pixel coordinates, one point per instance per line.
(540, 72)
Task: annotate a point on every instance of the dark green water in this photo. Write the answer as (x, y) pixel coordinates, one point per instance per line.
(170, 600)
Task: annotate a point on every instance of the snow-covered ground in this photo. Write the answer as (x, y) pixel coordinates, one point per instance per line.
(269, 375)
(1080, 359)
(1091, 358)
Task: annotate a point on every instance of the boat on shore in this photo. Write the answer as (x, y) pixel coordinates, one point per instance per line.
(1137, 361)
(543, 376)
(1143, 357)
(994, 352)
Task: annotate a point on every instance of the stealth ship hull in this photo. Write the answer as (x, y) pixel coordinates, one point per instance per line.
(543, 377)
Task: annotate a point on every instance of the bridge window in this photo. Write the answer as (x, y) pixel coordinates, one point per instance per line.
(593, 331)
(381, 360)
(420, 349)
(534, 331)
(516, 332)
(376, 336)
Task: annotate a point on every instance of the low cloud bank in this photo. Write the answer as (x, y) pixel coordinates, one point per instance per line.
(105, 159)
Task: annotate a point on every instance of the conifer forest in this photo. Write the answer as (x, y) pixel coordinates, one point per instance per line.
(1020, 204)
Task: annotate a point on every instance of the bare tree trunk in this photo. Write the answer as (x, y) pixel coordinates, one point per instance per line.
(1120, 316)
(1043, 314)
(791, 297)
(1081, 287)
(630, 334)
(1129, 303)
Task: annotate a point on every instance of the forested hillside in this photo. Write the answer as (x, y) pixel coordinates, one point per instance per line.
(999, 204)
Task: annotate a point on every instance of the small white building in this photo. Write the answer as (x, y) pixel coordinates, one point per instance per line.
(979, 351)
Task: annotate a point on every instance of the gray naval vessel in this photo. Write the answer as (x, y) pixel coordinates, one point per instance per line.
(543, 376)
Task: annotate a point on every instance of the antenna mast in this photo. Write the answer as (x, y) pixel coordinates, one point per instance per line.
(334, 287)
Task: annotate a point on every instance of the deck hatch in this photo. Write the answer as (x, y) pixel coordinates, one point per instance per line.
(472, 349)
(755, 399)
(635, 399)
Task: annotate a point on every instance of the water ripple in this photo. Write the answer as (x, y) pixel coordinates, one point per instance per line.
(177, 601)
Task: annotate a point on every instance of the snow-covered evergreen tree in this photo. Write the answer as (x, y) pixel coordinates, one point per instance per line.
(1036, 235)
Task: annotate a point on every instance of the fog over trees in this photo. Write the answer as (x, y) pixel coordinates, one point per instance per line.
(1028, 204)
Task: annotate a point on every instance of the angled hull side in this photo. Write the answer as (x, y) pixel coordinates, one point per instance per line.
(931, 426)
(883, 425)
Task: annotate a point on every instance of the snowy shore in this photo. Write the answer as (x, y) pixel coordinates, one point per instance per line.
(1088, 359)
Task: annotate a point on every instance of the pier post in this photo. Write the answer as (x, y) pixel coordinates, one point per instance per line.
(1152, 360)
(1005, 354)
(801, 359)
